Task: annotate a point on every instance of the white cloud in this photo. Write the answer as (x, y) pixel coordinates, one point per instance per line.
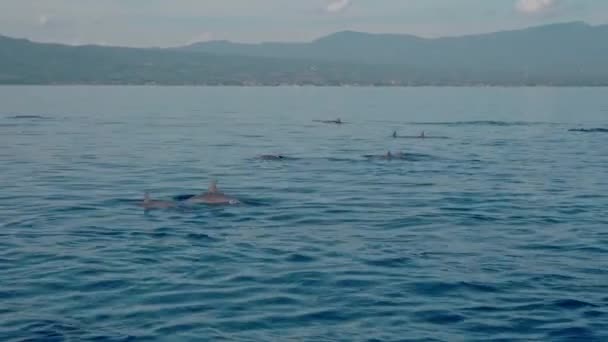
(335, 6)
(533, 6)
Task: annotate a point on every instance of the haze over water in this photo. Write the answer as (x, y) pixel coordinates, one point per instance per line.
(497, 233)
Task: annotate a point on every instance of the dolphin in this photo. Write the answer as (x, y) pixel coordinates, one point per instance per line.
(390, 156)
(387, 156)
(212, 196)
(394, 134)
(338, 121)
(271, 157)
(149, 203)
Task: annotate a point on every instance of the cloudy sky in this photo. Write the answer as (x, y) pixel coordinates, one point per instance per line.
(178, 22)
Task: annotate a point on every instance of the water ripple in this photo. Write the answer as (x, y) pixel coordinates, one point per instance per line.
(497, 233)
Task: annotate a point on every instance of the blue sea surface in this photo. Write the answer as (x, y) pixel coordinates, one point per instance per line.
(499, 232)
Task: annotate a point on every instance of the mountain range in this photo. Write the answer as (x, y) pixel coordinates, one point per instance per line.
(565, 54)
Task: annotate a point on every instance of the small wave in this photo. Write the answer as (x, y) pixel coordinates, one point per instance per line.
(421, 138)
(274, 158)
(22, 117)
(53, 330)
(275, 300)
(573, 334)
(331, 122)
(393, 262)
(593, 313)
(182, 204)
(105, 285)
(257, 202)
(404, 156)
(483, 123)
(572, 304)
(589, 130)
(201, 237)
(323, 315)
(443, 288)
(335, 159)
(354, 283)
(181, 198)
(300, 258)
(439, 317)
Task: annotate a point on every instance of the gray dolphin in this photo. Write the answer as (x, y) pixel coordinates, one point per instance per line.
(338, 121)
(396, 155)
(149, 203)
(271, 157)
(387, 156)
(212, 196)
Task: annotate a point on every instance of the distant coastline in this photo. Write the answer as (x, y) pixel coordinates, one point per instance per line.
(556, 55)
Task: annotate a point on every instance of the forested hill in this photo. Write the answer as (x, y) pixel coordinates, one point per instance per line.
(558, 54)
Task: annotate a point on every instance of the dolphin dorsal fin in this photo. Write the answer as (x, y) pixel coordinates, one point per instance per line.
(213, 187)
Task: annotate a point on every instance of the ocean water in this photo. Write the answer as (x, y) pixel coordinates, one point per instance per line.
(498, 232)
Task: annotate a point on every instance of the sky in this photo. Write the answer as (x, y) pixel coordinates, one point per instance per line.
(179, 22)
